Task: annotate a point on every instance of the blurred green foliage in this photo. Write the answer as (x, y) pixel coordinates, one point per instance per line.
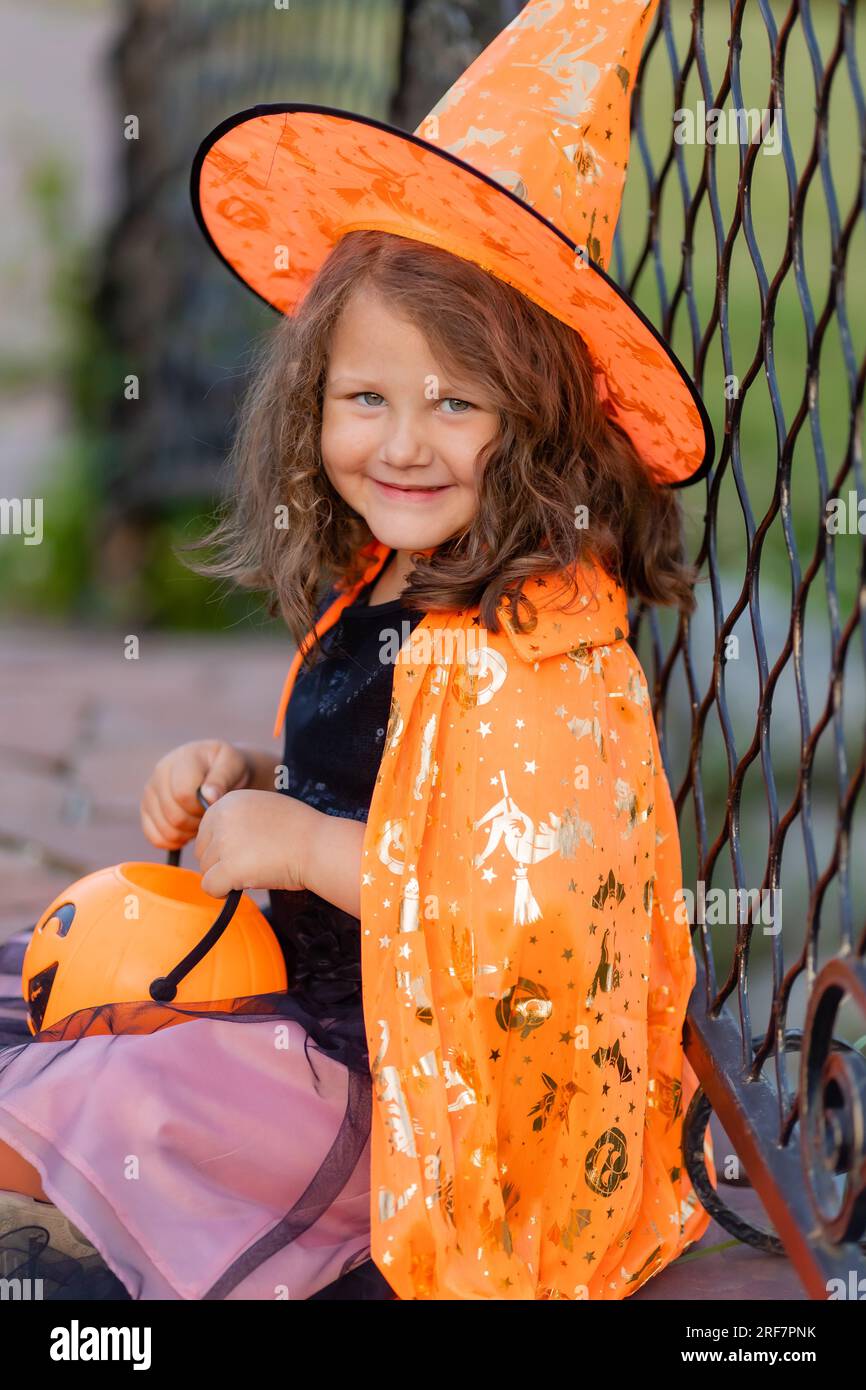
(64, 576)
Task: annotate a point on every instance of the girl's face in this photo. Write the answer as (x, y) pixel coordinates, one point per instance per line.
(400, 436)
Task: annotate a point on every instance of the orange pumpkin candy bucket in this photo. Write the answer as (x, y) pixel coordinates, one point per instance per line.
(141, 931)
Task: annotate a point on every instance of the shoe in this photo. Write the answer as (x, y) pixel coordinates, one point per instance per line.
(40, 1245)
(18, 1210)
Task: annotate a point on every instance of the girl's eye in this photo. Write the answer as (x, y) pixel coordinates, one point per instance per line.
(455, 400)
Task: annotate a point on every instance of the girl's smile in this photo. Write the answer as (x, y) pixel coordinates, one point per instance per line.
(411, 494)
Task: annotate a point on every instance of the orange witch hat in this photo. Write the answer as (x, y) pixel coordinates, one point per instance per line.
(519, 168)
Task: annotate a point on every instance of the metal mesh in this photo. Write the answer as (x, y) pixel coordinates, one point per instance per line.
(747, 250)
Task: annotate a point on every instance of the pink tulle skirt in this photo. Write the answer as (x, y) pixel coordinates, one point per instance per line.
(211, 1157)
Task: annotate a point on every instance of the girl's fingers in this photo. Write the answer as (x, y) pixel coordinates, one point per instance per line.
(202, 843)
(161, 838)
(207, 843)
(181, 794)
(154, 825)
(212, 884)
(174, 827)
(228, 771)
(174, 813)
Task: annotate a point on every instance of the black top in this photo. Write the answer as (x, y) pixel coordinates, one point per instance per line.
(334, 735)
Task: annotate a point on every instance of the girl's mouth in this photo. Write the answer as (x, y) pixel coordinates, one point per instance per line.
(411, 494)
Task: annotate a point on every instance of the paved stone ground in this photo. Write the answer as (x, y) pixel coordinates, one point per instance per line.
(80, 731)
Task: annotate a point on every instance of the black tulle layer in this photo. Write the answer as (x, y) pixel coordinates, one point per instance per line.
(26, 1254)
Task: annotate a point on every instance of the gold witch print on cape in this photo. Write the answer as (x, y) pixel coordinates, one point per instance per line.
(526, 963)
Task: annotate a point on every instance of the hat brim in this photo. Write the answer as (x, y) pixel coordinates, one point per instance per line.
(274, 187)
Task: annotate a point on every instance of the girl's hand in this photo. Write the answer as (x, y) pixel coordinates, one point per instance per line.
(170, 811)
(254, 839)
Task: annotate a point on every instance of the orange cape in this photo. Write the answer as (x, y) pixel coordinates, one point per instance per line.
(526, 961)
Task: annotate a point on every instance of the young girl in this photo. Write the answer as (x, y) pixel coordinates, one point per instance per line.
(399, 465)
(423, 455)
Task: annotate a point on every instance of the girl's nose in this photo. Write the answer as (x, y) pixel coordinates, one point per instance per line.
(405, 444)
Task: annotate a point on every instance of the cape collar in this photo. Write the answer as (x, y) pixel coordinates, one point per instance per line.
(596, 616)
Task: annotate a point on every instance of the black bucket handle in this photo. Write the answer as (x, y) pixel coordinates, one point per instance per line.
(164, 988)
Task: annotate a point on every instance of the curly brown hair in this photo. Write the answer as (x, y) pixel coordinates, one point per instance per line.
(556, 450)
